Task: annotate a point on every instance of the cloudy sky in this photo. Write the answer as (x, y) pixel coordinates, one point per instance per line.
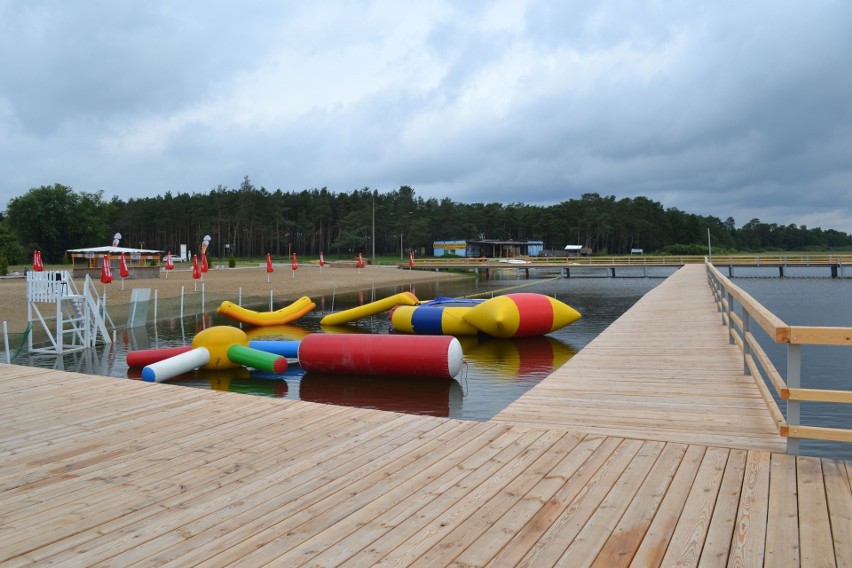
(726, 108)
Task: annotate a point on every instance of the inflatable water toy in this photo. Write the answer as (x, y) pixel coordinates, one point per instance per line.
(285, 315)
(404, 355)
(370, 309)
(521, 315)
(289, 349)
(144, 357)
(508, 316)
(441, 316)
(215, 348)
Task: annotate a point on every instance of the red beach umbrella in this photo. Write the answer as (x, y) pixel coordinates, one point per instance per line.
(122, 267)
(38, 265)
(269, 268)
(295, 265)
(410, 260)
(360, 261)
(196, 271)
(170, 264)
(204, 267)
(106, 270)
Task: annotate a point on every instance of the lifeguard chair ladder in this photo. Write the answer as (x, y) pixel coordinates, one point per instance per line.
(74, 321)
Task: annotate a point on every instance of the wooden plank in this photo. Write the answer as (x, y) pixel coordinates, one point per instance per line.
(782, 531)
(839, 498)
(688, 537)
(749, 540)
(639, 547)
(817, 548)
(624, 540)
(717, 545)
(629, 506)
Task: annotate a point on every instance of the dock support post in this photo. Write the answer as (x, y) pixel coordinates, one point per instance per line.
(730, 270)
(781, 271)
(834, 271)
(567, 272)
(612, 269)
(730, 310)
(794, 381)
(746, 346)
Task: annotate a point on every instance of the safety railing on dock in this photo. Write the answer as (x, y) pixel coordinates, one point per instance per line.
(755, 359)
(799, 260)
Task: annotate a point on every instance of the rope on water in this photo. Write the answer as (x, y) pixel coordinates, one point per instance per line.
(500, 290)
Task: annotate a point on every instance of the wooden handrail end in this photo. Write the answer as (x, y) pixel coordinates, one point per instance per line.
(784, 394)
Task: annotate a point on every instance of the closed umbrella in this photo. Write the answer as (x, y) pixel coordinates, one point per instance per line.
(360, 261)
(122, 270)
(38, 265)
(295, 265)
(196, 271)
(170, 264)
(322, 261)
(410, 260)
(204, 267)
(269, 268)
(106, 270)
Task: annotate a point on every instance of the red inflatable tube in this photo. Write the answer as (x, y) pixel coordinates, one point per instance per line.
(406, 355)
(145, 357)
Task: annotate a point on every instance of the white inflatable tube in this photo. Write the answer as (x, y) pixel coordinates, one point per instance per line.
(177, 365)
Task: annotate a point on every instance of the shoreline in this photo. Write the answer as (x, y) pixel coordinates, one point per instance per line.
(286, 285)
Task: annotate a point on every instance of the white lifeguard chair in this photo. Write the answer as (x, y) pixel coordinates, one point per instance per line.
(74, 320)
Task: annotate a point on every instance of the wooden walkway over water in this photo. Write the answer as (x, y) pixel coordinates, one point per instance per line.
(123, 473)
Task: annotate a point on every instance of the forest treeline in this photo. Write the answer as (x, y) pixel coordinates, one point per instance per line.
(250, 221)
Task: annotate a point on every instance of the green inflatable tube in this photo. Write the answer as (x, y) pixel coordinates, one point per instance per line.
(257, 359)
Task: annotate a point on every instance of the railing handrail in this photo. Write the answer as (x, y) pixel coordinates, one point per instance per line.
(755, 359)
(766, 259)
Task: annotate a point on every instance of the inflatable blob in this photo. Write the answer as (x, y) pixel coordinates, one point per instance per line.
(144, 357)
(285, 315)
(370, 309)
(288, 349)
(177, 365)
(217, 340)
(404, 355)
(520, 315)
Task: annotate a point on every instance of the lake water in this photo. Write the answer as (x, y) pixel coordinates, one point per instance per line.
(497, 371)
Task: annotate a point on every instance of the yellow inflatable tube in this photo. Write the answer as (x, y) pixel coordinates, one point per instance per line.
(285, 315)
(371, 309)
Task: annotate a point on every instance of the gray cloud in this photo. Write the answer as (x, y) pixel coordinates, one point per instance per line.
(738, 109)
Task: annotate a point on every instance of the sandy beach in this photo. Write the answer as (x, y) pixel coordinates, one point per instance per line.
(225, 283)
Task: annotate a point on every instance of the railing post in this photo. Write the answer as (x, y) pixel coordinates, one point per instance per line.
(730, 311)
(794, 381)
(746, 346)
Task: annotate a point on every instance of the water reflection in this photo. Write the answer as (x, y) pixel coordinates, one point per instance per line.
(433, 397)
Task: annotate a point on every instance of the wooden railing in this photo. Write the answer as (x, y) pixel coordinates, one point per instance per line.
(727, 295)
(840, 260)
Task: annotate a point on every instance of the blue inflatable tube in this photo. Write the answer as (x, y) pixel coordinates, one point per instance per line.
(289, 349)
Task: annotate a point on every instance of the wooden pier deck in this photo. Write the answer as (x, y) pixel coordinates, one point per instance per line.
(663, 371)
(113, 472)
